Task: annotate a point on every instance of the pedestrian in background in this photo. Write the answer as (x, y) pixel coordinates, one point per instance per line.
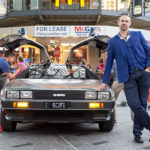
(20, 64)
(132, 54)
(83, 63)
(116, 86)
(100, 68)
(89, 67)
(5, 62)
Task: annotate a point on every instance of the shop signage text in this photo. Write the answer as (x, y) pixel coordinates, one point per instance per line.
(66, 31)
(51, 31)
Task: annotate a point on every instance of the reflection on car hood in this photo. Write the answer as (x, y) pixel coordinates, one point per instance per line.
(54, 84)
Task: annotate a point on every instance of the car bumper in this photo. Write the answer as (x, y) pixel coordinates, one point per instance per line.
(77, 111)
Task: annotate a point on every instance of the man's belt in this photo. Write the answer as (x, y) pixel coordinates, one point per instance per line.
(137, 70)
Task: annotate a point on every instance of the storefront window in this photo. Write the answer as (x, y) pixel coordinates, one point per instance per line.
(20, 5)
(17, 5)
(46, 4)
(94, 4)
(116, 5)
(70, 4)
(30, 4)
(3, 7)
(137, 5)
(74, 4)
(30, 54)
(147, 8)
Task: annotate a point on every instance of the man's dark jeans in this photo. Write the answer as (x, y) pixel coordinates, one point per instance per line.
(136, 91)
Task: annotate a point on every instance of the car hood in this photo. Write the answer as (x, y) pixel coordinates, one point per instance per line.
(11, 42)
(53, 84)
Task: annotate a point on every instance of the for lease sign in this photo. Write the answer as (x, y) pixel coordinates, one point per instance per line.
(67, 31)
(51, 31)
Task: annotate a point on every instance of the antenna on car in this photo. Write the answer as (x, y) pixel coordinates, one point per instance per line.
(22, 32)
(92, 32)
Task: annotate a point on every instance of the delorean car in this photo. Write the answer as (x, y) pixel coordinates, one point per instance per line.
(55, 93)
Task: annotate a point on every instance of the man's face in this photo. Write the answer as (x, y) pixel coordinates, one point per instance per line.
(11, 59)
(124, 23)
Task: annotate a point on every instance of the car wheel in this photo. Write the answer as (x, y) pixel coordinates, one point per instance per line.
(7, 126)
(107, 126)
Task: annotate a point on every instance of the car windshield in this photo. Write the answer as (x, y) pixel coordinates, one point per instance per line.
(57, 71)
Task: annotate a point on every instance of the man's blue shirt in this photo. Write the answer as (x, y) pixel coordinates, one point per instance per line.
(4, 66)
(133, 60)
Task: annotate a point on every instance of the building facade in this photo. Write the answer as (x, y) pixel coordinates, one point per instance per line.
(72, 12)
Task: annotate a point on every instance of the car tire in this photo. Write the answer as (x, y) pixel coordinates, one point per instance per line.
(7, 126)
(107, 126)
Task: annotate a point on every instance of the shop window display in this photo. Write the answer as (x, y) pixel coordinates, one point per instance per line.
(70, 4)
(147, 8)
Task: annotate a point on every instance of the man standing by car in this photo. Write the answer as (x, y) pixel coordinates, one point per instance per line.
(5, 62)
(132, 54)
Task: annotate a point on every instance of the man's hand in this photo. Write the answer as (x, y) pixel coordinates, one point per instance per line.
(104, 86)
(147, 69)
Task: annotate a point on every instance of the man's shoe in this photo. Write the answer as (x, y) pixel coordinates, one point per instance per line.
(137, 139)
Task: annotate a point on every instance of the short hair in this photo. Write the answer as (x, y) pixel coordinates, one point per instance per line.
(101, 60)
(20, 58)
(9, 53)
(125, 14)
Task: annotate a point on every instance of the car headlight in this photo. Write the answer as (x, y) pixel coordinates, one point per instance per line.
(104, 95)
(12, 94)
(25, 94)
(90, 95)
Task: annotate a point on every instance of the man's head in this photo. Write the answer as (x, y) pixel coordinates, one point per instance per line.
(20, 59)
(10, 57)
(124, 22)
(83, 61)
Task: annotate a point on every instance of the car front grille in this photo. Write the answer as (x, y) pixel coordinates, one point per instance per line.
(58, 95)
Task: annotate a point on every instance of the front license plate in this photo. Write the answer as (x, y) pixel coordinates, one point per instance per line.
(58, 105)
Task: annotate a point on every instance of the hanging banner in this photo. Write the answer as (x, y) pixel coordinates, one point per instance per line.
(84, 31)
(67, 31)
(51, 31)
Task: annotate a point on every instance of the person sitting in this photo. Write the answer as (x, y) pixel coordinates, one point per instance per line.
(83, 63)
(21, 65)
